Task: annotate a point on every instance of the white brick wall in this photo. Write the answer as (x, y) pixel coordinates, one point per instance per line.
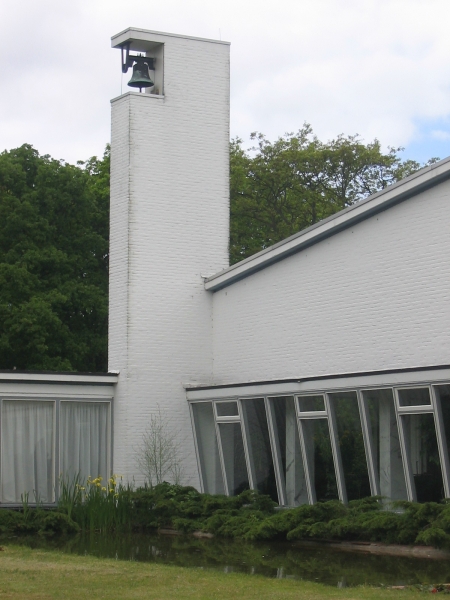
(376, 296)
(169, 226)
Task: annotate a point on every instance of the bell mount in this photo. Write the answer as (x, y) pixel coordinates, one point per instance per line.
(129, 59)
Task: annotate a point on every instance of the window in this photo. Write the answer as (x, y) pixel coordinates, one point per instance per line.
(391, 441)
(43, 440)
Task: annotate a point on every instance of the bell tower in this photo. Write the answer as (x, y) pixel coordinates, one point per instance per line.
(169, 229)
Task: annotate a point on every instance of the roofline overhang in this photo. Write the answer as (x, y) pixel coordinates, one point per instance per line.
(376, 203)
(138, 34)
(385, 378)
(58, 377)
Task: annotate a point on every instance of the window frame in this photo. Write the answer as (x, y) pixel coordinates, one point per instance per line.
(56, 450)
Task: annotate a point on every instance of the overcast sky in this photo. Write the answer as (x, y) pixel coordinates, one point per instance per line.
(379, 68)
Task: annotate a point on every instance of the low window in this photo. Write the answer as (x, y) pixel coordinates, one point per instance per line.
(28, 451)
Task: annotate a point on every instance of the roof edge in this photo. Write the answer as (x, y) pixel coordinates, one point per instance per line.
(393, 194)
(341, 375)
(64, 377)
(150, 32)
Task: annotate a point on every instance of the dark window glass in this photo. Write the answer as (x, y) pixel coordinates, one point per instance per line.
(443, 396)
(320, 458)
(207, 448)
(258, 441)
(288, 450)
(386, 444)
(234, 457)
(414, 397)
(351, 445)
(423, 455)
(311, 403)
(227, 409)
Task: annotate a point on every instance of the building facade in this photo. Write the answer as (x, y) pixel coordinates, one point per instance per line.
(316, 369)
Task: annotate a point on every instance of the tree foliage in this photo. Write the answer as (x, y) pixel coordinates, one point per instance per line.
(278, 188)
(54, 229)
(54, 220)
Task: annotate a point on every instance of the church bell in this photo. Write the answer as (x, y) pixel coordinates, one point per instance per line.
(141, 76)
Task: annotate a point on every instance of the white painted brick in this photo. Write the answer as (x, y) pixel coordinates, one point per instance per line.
(169, 226)
(375, 296)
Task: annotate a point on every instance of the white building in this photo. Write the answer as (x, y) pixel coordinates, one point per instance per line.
(316, 369)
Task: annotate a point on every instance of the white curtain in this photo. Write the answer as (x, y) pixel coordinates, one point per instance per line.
(27, 451)
(84, 439)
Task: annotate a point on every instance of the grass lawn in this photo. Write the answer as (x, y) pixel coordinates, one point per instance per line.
(27, 574)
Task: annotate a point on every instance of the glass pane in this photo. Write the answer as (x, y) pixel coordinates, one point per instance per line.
(386, 444)
(227, 409)
(288, 449)
(351, 445)
(422, 450)
(234, 457)
(414, 397)
(443, 395)
(311, 403)
(320, 458)
(84, 440)
(260, 452)
(27, 451)
(208, 449)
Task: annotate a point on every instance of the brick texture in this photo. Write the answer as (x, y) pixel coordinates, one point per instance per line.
(375, 296)
(169, 227)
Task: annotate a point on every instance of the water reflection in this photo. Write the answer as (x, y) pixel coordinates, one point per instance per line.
(274, 559)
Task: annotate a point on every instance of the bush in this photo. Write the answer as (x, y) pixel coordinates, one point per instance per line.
(248, 516)
(36, 521)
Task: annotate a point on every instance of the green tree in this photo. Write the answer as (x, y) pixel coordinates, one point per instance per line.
(53, 262)
(54, 230)
(278, 188)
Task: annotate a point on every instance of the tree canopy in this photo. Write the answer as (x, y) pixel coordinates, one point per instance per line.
(54, 230)
(54, 220)
(278, 188)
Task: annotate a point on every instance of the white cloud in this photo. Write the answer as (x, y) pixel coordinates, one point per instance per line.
(376, 68)
(438, 134)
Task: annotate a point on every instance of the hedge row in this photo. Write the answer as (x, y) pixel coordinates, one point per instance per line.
(251, 516)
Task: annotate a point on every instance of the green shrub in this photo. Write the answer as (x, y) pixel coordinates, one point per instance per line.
(39, 521)
(433, 536)
(248, 516)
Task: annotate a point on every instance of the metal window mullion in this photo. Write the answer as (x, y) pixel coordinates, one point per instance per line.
(111, 438)
(1, 451)
(368, 444)
(222, 461)
(422, 409)
(307, 466)
(332, 427)
(441, 439)
(197, 455)
(56, 448)
(276, 457)
(250, 474)
(407, 469)
(316, 414)
(108, 440)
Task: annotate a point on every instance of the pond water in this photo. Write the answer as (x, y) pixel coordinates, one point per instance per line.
(271, 559)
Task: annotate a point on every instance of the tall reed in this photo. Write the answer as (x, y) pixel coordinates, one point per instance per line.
(94, 506)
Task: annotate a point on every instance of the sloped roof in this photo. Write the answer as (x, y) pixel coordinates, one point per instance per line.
(390, 196)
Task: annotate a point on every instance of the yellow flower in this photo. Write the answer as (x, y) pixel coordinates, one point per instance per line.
(103, 489)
